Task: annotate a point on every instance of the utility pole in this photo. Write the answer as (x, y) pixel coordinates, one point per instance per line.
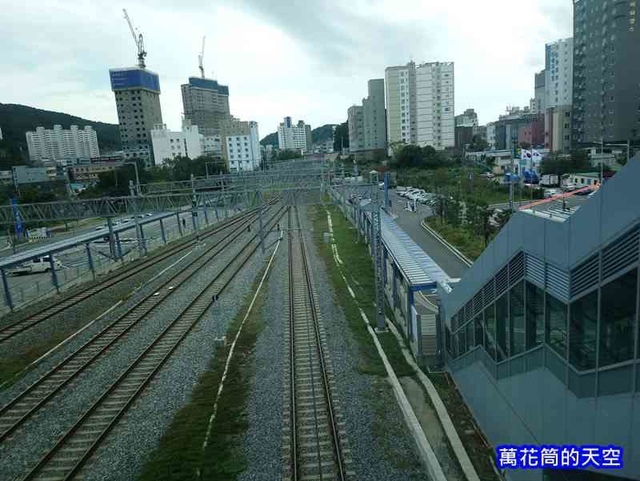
(260, 220)
(511, 206)
(376, 221)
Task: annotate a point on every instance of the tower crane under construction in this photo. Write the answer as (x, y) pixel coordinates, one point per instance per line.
(201, 59)
(139, 40)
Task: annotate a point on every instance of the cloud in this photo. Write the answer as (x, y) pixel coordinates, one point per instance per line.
(310, 60)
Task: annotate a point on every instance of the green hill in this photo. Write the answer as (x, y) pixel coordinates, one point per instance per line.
(17, 119)
(322, 134)
(271, 139)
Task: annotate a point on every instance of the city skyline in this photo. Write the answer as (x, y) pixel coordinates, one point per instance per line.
(276, 66)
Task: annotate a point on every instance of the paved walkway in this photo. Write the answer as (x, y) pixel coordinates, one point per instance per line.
(410, 223)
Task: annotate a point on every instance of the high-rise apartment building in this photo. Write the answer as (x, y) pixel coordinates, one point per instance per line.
(606, 71)
(137, 93)
(435, 105)
(374, 116)
(420, 104)
(558, 71)
(355, 122)
(206, 104)
(63, 146)
(400, 85)
(294, 137)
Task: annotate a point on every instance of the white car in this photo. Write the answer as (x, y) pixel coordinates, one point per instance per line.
(34, 266)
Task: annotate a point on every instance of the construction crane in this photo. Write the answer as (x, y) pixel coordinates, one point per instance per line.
(138, 39)
(201, 58)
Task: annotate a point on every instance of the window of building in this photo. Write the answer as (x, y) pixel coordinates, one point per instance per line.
(479, 328)
(582, 336)
(502, 319)
(535, 315)
(556, 325)
(617, 318)
(490, 330)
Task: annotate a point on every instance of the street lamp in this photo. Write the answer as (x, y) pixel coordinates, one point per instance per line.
(135, 165)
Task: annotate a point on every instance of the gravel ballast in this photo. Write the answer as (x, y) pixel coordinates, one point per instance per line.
(262, 442)
(190, 359)
(170, 390)
(381, 446)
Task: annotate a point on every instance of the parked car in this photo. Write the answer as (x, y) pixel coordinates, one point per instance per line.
(34, 266)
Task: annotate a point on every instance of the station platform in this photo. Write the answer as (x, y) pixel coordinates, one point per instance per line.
(411, 278)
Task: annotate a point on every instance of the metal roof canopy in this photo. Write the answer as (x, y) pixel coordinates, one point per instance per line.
(74, 242)
(417, 267)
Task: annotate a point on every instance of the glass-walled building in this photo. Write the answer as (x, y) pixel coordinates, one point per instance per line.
(541, 335)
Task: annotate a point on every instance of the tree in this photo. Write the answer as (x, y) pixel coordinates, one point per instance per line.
(396, 146)
(525, 145)
(288, 154)
(578, 161)
(409, 156)
(478, 144)
(341, 137)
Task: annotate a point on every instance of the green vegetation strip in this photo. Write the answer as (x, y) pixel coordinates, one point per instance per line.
(180, 456)
(360, 275)
(480, 453)
(359, 272)
(467, 242)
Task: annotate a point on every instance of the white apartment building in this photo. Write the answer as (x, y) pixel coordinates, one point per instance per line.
(211, 145)
(559, 73)
(400, 102)
(435, 118)
(294, 137)
(243, 147)
(420, 104)
(168, 144)
(63, 146)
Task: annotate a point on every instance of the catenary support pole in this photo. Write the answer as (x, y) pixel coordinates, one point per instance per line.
(7, 293)
(54, 275)
(90, 260)
(162, 232)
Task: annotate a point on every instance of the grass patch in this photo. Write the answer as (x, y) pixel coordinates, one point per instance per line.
(467, 242)
(362, 268)
(11, 366)
(360, 275)
(361, 278)
(462, 419)
(386, 432)
(179, 456)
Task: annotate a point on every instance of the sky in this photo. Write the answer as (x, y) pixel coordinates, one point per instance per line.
(308, 59)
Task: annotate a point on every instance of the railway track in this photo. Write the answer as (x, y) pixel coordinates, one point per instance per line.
(314, 441)
(7, 332)
(15, 413)
(68, 456)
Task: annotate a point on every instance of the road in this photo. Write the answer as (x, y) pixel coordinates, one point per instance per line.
(410, 223)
